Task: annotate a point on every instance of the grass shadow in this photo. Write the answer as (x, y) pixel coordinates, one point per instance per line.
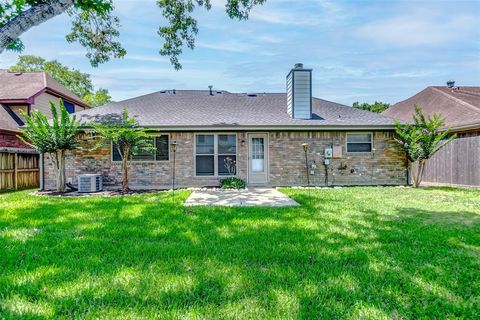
(350, 254)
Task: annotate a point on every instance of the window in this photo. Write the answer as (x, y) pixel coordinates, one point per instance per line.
(69, 106)
(205, 155)
(213, 152)
(161, 153)
(227, 153)
(359, 142)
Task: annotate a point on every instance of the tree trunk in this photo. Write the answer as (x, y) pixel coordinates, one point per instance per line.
(58, 159)
(126, 153)
(124, 175)
(31, 17)
(409, 172)
(417, 177)
(420, 171)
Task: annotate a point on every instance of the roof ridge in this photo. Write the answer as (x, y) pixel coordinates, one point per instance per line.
(45, 84)
(459, 101)
(468, 92)
(48, 79)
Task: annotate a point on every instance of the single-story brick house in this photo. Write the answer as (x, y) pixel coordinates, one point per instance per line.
(263, 132)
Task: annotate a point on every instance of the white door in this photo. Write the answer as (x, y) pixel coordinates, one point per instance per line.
(258, 158)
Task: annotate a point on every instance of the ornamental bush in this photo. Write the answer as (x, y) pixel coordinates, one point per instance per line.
(232, 183)
(421, 140)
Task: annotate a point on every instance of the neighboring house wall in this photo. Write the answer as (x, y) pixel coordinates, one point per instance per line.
(42, 104)
(458, 163)
(9, 139)
(385, 166)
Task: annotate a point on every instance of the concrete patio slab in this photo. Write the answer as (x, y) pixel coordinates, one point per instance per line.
(267, 197)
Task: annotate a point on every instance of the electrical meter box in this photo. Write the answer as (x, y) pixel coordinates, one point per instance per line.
(328, 153)
(337, 152)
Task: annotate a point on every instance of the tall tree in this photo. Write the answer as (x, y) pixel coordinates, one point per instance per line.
(95, 26)
(377, 107)
(125, 135)
(97, 98)
(52, 138)
(421, 140)
(74, 80)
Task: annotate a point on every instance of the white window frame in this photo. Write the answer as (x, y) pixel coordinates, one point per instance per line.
(145, 161)
(359, 152)
(215, 152)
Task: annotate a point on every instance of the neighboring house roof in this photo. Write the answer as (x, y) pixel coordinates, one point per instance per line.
(24, 86)
(460, 106)
(6, 120)
(198, 109)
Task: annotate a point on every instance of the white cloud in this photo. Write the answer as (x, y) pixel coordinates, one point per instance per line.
(300, 13)
(232, 46)
(237, 46)
(420, 28)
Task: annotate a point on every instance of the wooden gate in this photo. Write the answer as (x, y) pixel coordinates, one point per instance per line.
(19, 169)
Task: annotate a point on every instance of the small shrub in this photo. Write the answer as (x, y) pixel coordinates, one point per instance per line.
(232, 183)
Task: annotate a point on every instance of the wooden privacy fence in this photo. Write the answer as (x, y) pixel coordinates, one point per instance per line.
(458, 163)
(19, 169)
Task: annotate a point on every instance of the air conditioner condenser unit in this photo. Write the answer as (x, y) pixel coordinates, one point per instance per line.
(90, 183)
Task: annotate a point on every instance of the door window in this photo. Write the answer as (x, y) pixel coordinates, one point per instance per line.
(258, 154)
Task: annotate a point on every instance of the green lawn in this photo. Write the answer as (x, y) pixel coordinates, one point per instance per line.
(376, 253)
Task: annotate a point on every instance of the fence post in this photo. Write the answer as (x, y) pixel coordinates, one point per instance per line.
(15, 168)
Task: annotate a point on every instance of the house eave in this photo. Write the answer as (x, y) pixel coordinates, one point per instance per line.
(269, 128)
(31, 100)
(65, 97)
(467, 127)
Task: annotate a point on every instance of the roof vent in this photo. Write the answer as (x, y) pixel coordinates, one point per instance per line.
(174, 91)
(163, 91)
(251, 94)
(210, 88)
(451, 84)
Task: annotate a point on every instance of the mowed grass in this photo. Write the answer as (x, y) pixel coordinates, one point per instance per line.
(350, 253)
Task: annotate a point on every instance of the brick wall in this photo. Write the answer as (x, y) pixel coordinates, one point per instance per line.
(385, 166)
(10, 140)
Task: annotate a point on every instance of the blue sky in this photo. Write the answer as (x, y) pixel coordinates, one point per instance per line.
(358, 50)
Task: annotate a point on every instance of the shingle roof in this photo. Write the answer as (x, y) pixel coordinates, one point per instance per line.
(459, 106)
(24, 85)
(197, 108)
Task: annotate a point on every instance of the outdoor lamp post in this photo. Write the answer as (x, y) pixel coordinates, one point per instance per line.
(174, 150)
(305, 149)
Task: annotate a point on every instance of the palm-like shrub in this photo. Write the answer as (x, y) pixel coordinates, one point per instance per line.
(421, 140)
(126, 136)
(52, 137)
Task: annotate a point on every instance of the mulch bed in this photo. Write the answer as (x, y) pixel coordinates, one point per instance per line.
(104, 193)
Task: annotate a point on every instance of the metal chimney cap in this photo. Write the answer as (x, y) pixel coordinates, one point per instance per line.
(298, 66)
